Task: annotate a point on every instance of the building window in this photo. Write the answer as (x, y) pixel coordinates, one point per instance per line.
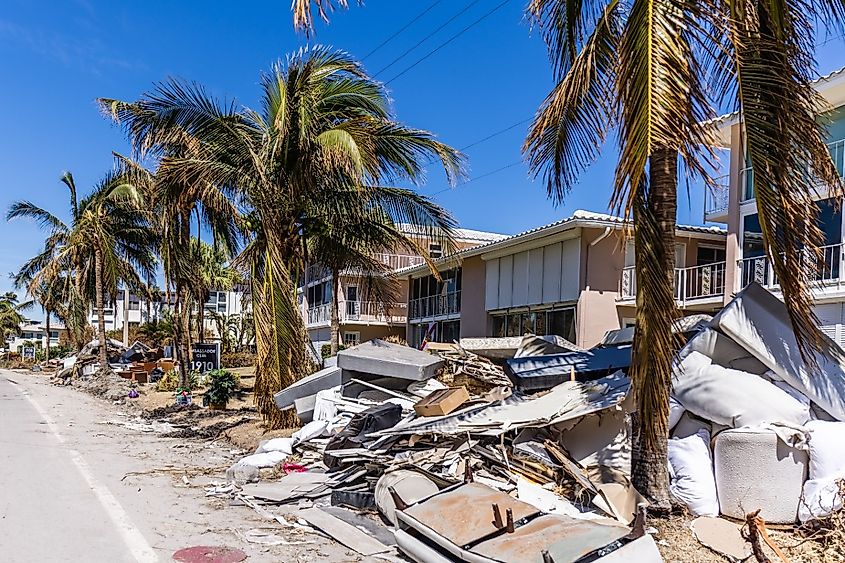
(435, 250)
(560, 322)
(134, 305)
(351, 338)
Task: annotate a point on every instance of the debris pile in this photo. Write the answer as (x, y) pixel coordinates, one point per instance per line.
(457, 463)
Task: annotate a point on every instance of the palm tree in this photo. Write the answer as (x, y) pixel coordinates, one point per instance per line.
(210, 271)
(323, 136)
(11, 314)
(639, 69)
(107, 241)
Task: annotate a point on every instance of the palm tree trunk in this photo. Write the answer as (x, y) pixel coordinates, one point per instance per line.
(654, 345)
(47, 350)
(101, 320)
(201, 319)
(126, 316)
(335, 322)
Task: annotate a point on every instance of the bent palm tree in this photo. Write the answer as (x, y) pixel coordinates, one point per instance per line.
(11, 314)
(322, 138)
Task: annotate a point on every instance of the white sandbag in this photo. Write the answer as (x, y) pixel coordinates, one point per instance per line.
(266, 459)
(827, 448)
(284, 445)
(755, 470)
(313, 429)
(691, 473)
(821, 498)
(676, 411)
(690, 425)
(735, 398)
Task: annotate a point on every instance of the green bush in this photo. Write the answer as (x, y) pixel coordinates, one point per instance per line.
(222, 386)
(170, 381)
(237, 359)
(326, 350)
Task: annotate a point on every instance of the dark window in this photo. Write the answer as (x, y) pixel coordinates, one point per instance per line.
(709, 255)
(435, 250)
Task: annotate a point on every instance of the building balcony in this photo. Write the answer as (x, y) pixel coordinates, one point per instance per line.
(318, 272)
(693, 285)
(828, 272)
(436, 306)
(716, 199)
(357, 312)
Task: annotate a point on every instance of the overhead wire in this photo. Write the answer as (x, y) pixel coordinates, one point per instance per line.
(448, 41)
(400, 30)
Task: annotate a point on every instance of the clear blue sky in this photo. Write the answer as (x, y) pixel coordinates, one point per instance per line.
(56, 61)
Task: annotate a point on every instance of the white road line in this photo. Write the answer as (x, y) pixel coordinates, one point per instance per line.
(132, 536)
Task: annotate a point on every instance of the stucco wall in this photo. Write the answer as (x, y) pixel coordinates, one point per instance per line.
(601, 269)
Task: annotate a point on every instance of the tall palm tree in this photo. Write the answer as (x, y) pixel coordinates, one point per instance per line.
(323, 133)
(210, 271)
(107, 241)
(639, 69)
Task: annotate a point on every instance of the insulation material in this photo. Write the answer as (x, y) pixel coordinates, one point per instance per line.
(758, 321)
(601, 439)
(732, 397)
(691, 473)
(755, 470)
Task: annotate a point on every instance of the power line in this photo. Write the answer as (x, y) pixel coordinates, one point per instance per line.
(461, 32)
(485, 175)
(427, 37)
(403, 28)
(496, 134)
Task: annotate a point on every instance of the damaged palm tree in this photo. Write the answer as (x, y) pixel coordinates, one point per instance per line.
(323, 144)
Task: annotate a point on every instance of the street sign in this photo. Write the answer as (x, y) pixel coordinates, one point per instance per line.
(28, 353)
(205, 357)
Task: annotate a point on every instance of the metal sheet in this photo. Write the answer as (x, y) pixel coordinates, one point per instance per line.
(571, 538)
(567, 401)
(465, 515)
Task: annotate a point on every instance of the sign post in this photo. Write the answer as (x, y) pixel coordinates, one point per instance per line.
(205, 357)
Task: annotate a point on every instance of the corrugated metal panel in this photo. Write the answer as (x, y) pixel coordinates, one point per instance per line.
(491, 285)
(506, 281)
(535, 276)
(551, 273)
(570, 269)
(520, 279)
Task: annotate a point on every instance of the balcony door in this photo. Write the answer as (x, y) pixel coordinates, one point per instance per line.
(353, 306)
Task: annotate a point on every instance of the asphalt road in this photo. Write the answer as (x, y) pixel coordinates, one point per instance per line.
(52, 506)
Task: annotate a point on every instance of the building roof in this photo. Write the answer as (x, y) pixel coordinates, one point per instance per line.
(831, 86)
(463, 235)
(579, 218)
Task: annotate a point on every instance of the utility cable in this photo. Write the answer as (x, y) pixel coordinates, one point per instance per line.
(461, 32)
(403, 28)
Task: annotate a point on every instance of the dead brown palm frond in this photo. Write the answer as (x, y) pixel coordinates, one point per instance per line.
(303, 18)
(772, 46)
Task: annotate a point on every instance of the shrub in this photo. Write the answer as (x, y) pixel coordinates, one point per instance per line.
(326, 350)
(222, 385)
(170, 381)
(237, 359)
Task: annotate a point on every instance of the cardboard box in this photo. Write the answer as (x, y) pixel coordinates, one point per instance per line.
(442, 402)
(166, 364)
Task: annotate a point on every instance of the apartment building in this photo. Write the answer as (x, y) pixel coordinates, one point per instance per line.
(35, 332)
(574, 278)
(732, 203)
(361, 318)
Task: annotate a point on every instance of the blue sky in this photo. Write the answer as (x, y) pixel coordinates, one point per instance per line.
(57, 61)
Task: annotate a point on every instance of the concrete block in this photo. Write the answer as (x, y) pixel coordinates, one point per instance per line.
(323, 379)
(378, 357)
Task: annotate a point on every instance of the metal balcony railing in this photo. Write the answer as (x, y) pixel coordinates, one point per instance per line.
(827, 270)
(436, 306)
(694, 282)
(359, 312)
(716, 197)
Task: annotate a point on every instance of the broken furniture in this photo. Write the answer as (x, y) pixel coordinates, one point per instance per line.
(543, 372)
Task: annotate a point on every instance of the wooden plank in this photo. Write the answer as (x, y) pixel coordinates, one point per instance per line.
(344, 533)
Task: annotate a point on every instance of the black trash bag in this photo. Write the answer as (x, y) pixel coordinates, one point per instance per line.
(156, 374)
(379, 417)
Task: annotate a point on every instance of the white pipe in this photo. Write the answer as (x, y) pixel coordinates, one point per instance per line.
(602, 236)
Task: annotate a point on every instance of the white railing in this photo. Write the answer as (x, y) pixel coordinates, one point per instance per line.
(828, 270)
(436, 306)
(716, 197)
(694, 282)
(358, 312)
(398, 261)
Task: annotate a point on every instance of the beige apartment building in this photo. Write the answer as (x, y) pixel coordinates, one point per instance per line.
(361, 318)
(573, 278)
(732, 203)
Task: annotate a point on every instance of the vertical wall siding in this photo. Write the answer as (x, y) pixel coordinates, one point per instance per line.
(544, 275)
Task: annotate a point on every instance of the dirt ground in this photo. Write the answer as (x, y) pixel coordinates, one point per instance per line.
(240, 428)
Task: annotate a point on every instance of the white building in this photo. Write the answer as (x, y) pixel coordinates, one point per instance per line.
(35, 332)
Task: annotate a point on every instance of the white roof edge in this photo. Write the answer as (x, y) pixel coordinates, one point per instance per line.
(579, 218)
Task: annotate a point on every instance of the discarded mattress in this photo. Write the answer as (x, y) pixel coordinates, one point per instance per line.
(544, 372)
(691, 473)
(755, 470)
(544, 345)
(758, 321)
(567, 401)
(378, 357)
